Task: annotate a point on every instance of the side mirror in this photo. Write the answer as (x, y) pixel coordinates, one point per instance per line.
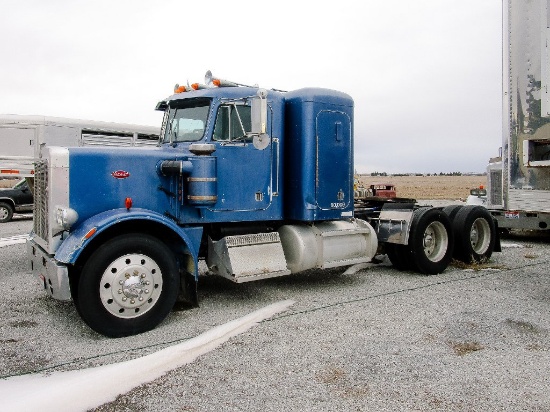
(259, 113)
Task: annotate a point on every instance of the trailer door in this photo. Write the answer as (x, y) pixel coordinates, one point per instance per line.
(17, 141)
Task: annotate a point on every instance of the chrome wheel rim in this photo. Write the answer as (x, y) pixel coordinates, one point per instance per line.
(130, 286)
(480, 236)
(435, 241)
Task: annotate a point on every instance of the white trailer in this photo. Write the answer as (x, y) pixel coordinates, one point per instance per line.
(518, 180)
(22, 137)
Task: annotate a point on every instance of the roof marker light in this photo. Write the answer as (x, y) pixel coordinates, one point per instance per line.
(179, 89)
(128, 203)
(198, 86)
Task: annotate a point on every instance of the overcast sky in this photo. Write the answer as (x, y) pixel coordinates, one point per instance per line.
(425, 74)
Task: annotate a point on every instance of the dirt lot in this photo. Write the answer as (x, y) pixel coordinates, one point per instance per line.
(429, 187)
(373, 339)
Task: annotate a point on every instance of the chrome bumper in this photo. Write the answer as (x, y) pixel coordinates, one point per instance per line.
(54, 275)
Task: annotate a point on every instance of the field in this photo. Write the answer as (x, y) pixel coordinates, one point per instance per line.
(8, 182)
(415, 187)
(429, 187)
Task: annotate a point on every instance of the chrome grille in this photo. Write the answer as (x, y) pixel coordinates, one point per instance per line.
(40, 212)
(495, 180)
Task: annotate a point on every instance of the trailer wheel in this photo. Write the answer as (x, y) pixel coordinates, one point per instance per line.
(128, 285)
(400, 256)
(6, 212)
(430, 240)
(475, 234)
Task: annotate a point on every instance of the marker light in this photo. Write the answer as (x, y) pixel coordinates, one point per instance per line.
(128, 203)
(179, 89)
(198, 86)
(90, 233)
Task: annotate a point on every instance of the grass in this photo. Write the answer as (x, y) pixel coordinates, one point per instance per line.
(476, 266)
(8, 182)
(464, 348)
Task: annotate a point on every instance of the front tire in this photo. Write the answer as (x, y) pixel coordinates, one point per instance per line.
(128, 285)
(6, 212)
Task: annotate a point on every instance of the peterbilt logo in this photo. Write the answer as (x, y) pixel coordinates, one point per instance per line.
(120, 174)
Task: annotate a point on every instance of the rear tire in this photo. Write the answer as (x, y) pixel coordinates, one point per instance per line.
(451, 211)
(431, 241)
(475, 234)
(400, 256)
(6, 212)
(128, 285)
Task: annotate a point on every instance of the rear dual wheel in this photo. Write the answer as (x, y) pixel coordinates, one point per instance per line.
(475, 234)
(430, 246)
(431, 240)
(400, 256)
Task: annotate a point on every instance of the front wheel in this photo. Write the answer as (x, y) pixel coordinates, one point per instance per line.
(6, 212)
(431, 240)
(128, 285)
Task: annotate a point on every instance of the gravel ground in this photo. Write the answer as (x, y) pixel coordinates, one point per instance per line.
(470, 339)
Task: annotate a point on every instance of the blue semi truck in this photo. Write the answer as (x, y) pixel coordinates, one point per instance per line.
(257, 183)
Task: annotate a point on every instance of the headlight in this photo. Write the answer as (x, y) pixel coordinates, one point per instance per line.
(65, 216)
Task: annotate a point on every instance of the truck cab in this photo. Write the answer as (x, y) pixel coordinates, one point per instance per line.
(258, 183)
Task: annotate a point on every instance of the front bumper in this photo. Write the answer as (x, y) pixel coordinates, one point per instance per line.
(53, 274)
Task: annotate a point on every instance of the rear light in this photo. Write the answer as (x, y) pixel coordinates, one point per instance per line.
(9, 171)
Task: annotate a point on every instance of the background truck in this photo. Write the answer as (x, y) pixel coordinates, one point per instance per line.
(518, 179)
(258, 183)
(22, 137)
(16, 199)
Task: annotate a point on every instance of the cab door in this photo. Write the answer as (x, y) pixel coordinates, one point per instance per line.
(244, 164)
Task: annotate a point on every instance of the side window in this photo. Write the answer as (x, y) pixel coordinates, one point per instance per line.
(233, 122)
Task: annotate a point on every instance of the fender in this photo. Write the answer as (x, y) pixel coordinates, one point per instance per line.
(7, 199)
(71, 247)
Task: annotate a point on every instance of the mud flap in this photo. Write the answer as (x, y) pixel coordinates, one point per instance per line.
(497, 247)
(188, 296)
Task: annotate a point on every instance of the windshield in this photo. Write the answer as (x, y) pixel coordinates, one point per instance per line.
(187, 122)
